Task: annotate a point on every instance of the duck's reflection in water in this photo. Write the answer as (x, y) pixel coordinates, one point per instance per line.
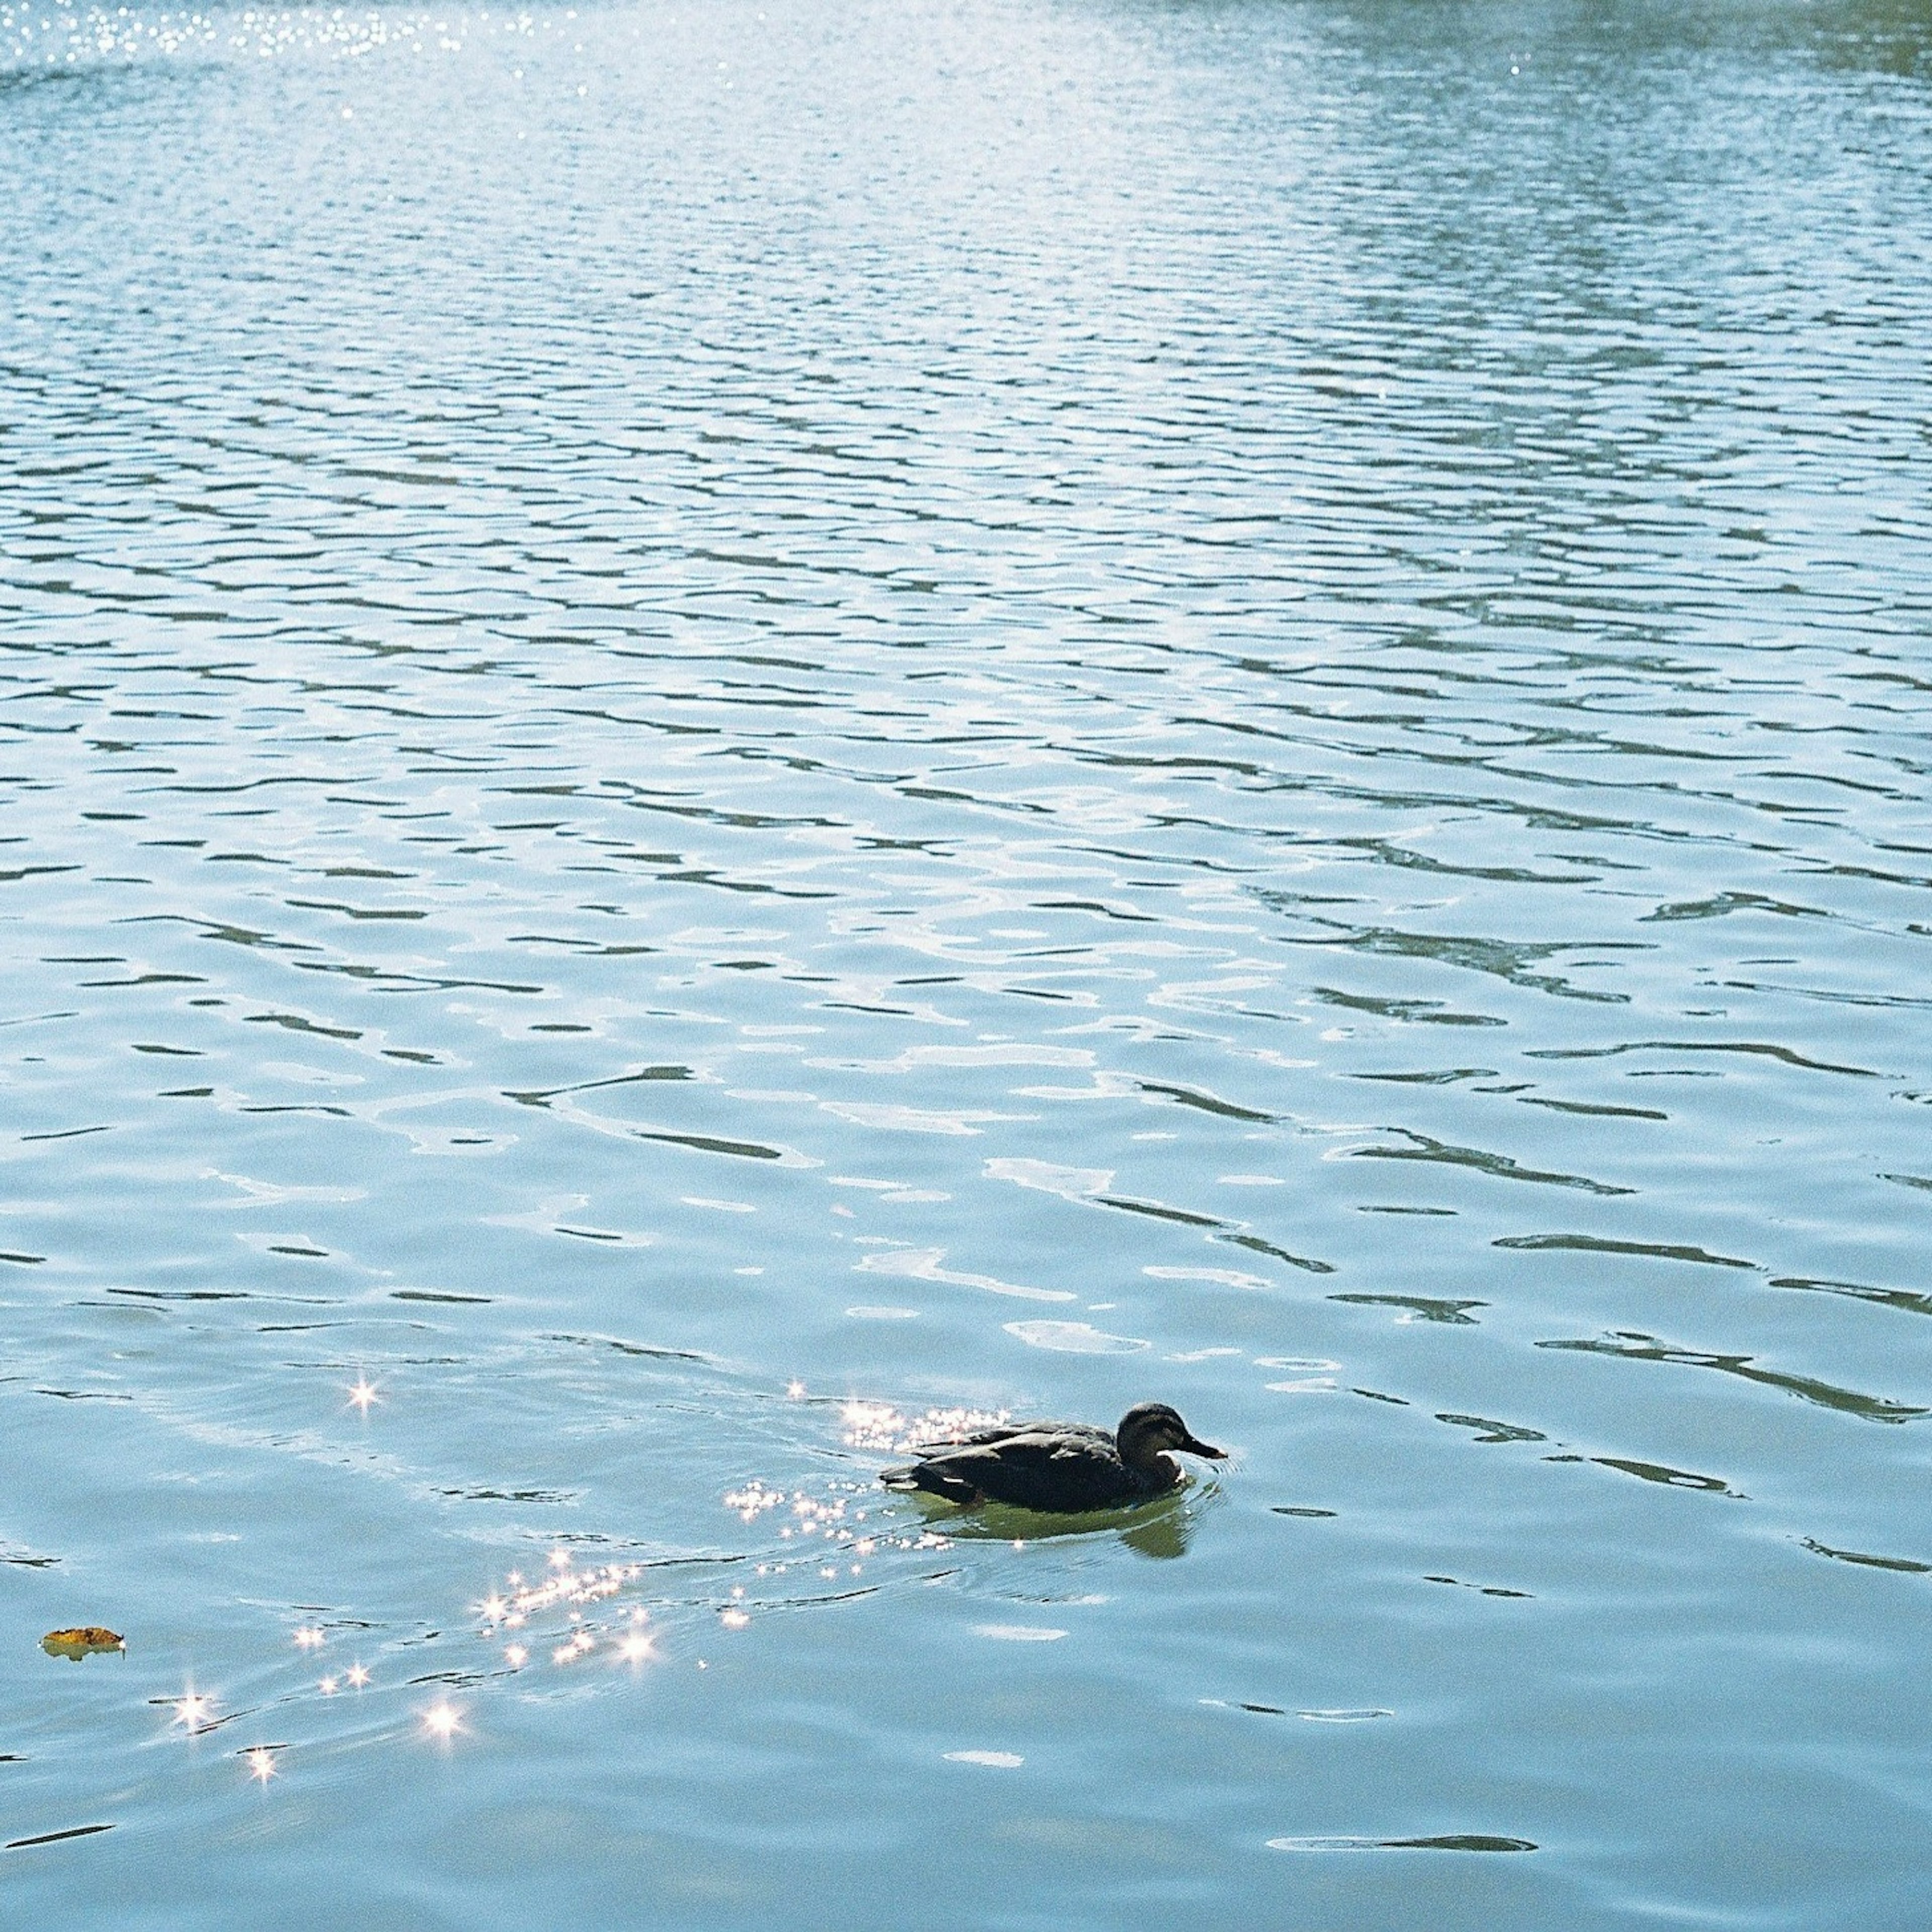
(1162, 1527)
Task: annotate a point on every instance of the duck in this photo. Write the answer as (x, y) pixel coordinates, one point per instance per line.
(1064, 1467)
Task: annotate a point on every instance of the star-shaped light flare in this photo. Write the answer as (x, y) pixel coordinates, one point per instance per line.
(443, 1721)
(195, 1710)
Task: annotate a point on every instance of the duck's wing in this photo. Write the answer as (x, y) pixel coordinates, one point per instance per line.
(1067, 1470)
(1010, 1431)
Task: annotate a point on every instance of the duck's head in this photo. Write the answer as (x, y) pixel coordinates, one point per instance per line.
(1150, 1427)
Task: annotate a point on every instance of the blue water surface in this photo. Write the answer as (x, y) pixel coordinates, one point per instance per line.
(726, 727)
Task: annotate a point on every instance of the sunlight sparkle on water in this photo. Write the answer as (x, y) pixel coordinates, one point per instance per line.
(362, 1394)
(194, 1710)
(309, 1638)
(357, 1674)
(261, 1763)
(443, 1721)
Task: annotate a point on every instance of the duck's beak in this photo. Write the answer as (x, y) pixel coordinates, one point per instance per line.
(1194, 1446)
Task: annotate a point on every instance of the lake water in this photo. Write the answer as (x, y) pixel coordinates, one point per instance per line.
(723, 723)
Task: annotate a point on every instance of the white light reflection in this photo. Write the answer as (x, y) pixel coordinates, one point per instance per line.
(194, 1711)
(261, 1763)
(362, 1394)
(443, 1721)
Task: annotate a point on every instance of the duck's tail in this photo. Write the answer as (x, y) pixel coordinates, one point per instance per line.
(934, 1481)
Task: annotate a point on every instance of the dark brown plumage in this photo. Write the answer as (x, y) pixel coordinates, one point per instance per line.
(1067, 1467)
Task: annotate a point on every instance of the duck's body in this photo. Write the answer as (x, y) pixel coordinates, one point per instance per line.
(1068, 1467)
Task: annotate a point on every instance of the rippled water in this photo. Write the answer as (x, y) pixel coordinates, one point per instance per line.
(723, 722)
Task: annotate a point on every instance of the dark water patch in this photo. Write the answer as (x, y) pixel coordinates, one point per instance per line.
(1207, 1103)
(1511, 960)
(1256, 1245)
(1806, 1388)
(1501, 1167)
(1159, 1211)
(709, 1143)
(1297, 1509)
(1481, 1589)
(1452, 1314)
(648, 1352)
(1487, 1431)
(1424, 1013)
(299, 1023)
(1905, 1565)
(1591, 1108)
(1762, 1049)
(356, 912)
(1454, 1841)
(56, 1837)
(1444, 1077)
(1903, 1299)
(1599, 1244)
(1376, 1395)
(186, 1294)
(1656, 1472)
(428, 1294)
(540, 1096)
(1719, 904)
(488, 1495)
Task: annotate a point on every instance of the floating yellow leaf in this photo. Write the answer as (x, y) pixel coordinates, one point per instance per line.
(82, 1642)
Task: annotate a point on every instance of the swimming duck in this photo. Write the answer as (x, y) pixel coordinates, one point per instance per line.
(1069, 1466)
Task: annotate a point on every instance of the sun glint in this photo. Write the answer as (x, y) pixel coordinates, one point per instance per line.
(443, 1721)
